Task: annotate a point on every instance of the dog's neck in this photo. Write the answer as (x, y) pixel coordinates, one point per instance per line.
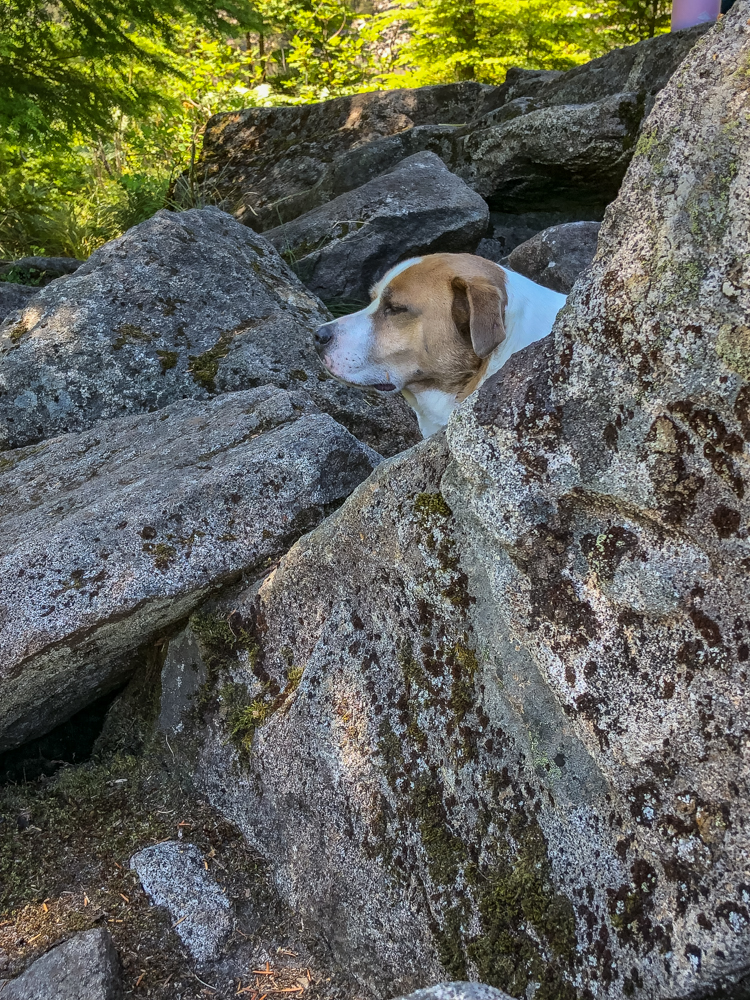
(432, 406)
(529, 316)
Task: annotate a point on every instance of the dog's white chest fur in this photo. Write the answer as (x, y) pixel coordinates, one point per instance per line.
(432, 406)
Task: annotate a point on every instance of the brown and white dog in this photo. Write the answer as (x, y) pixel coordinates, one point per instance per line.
(436, 328)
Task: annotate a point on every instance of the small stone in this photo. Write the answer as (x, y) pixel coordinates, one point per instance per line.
(173, 875)
(86, 967)
(558, 255)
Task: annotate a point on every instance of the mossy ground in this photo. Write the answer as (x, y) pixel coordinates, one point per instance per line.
(65, 847)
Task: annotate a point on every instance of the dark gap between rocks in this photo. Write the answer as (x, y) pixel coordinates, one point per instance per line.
(71, 742)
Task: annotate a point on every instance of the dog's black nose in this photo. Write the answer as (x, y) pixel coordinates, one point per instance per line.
(323, 335)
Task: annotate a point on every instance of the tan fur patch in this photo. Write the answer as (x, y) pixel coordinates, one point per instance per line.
(428, 318)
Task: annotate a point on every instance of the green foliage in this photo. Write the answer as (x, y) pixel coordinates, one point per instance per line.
(315, 51)
(63, 203)
(74, 65)
(102, 105)
(451, 40)
(630, 21)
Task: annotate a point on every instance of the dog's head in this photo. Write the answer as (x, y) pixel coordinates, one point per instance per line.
(431, 324)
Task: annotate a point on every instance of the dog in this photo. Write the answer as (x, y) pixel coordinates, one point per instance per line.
(436, 328)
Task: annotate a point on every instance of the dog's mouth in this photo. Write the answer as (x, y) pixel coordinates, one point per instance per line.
(380, 386)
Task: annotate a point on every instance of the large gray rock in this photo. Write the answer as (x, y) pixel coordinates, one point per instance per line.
(511, 743)
(85, 967)
(307, 787)
(340, 249)
(270, 165)
(173, 875)
(184, 305)
(557, 256)
(554, 156)
(110, 536)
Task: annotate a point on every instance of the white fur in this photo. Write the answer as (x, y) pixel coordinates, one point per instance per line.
(378, 289)
(529, 316)
(350, 356)
(432, 407)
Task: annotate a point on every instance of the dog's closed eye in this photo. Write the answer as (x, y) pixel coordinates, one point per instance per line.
(390, 309)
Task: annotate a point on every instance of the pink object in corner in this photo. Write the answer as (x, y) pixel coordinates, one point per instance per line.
(686, 13)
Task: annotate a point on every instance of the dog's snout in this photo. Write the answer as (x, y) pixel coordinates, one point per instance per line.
(324, 335)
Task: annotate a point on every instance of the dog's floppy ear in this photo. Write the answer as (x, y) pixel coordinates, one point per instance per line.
(478, 312)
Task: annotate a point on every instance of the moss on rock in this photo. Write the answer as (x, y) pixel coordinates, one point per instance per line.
(528, 927)
(204, 367)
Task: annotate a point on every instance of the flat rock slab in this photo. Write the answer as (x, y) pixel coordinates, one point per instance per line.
(418, 207)
(173, 875)
(86, 967)
(185, 305)
(111, 535)
(557, 256)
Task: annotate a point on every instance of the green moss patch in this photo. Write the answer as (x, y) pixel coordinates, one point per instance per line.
(222, 639)
(161, 553)
(17, 333)
(127, 333)
(528, 927)
(428, 506)
(168, 360)
(204, 367)
(245, 714)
